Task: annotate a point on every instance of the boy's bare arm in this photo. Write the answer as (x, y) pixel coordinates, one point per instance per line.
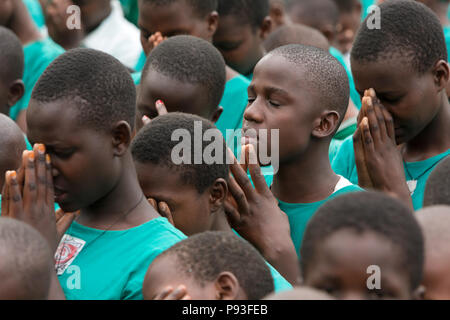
(255, 215)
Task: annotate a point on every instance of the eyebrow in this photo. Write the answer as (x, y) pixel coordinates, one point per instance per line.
(270, 90)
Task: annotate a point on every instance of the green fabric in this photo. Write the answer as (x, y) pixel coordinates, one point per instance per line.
(234, 102)
(365, 5)
(354, 95)
(35, 10)
(113, 264)
(136, 76)
(249, 76)
(299, 214)
(141, 62)
(130, 10)
(344, 164)
(38, 55)
(447, 40)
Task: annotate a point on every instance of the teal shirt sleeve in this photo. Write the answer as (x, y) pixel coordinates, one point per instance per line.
(279, 282)
(354, 95)
(344, 161)
(136, 76)
(35, 10)
(141, 62)
(38, 55)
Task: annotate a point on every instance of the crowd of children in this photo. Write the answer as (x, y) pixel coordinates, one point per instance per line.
(99, 101)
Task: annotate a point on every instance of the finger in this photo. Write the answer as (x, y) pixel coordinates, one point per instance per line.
(381, 121)
(15, 205)
(241, 177)
(372, 123)
(232, 214)
(64, 223)
(177, 294)
(153, 203)
(145, 120)
(30, 187)
(5, 196)
(163, 294)
(362, 112)
(367, 137)
(390, 127)
(165, 212)
(41, 171)
(50, 194)
(238, 196)
(161, 107)
(244, 158)
(59, 214)
(256, 174)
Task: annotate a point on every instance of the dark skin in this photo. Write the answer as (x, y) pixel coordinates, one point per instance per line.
(93, 171)
(241, 44)
(10, 93)
(348, 26)
(340, 261)
(393, 125)
(278, 13)
(439, 8)
(163, 281)
(280, 97)
(189, 98)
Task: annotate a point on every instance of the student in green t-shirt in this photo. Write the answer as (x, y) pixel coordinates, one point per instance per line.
(106, 251)
(243, 26)
(301, 91)
(192, 195)
(39, 52)
(200, 19)
(404, 126)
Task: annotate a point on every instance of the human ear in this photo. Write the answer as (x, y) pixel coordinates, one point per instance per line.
(326, 124)
(216, 115)
(121, 138)
(218, 194)
(441, 74)
(277, 13)
(16, 91)
(227, 286)
(213, 23)
(265, 28)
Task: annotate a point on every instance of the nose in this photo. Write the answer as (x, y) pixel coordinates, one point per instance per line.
(254, 112)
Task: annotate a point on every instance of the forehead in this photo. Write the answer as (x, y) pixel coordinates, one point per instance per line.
(383, 75)
(231, 28)
(177, 95)
(165, 18)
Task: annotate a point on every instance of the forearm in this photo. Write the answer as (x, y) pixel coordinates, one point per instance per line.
(55, 291)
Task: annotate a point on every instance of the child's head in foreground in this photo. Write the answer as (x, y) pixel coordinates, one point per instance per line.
(13, 144)
(212, 266)
(302, 91)
(25, 262)
(187, 74)
(197, 18)
(296, 34)
(437, 190)
(405, 63)
(195, 193)
(435, 223)
(11, 70)
(82, 109)
(361, 239)
(243, 26)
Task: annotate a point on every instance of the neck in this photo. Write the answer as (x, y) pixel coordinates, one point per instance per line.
(437, 131)
(307, 179)
(220, 222)
(99, 19)
(123, 207)
(22, 25)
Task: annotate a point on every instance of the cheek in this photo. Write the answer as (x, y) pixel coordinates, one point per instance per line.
(193, 217)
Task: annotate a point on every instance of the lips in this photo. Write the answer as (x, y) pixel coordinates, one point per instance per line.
(60, 194)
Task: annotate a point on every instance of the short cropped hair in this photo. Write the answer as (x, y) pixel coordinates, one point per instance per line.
(11, 56)
(296, 34)
(153, 144)
(409, 29)
(200, 7)
(25, 259)
(323, 71)
(99, 84)
(314, 13)
(192, 60)
(205, 255)
(368, 212)
(437, 189)
(248, 12)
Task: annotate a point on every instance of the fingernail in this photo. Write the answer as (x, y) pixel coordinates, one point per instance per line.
(369, 102)
(159, 102)
(13, 175)
(145, 118)
(48, 159)
(30, 156)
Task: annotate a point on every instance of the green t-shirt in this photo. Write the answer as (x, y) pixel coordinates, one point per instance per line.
(365, 5)
(130, 10)
(416, 173)
(38, 55)
(234, 101)
(299, 214)
(447, 39)
(354, 95)
(111, 265)
(140, 65)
